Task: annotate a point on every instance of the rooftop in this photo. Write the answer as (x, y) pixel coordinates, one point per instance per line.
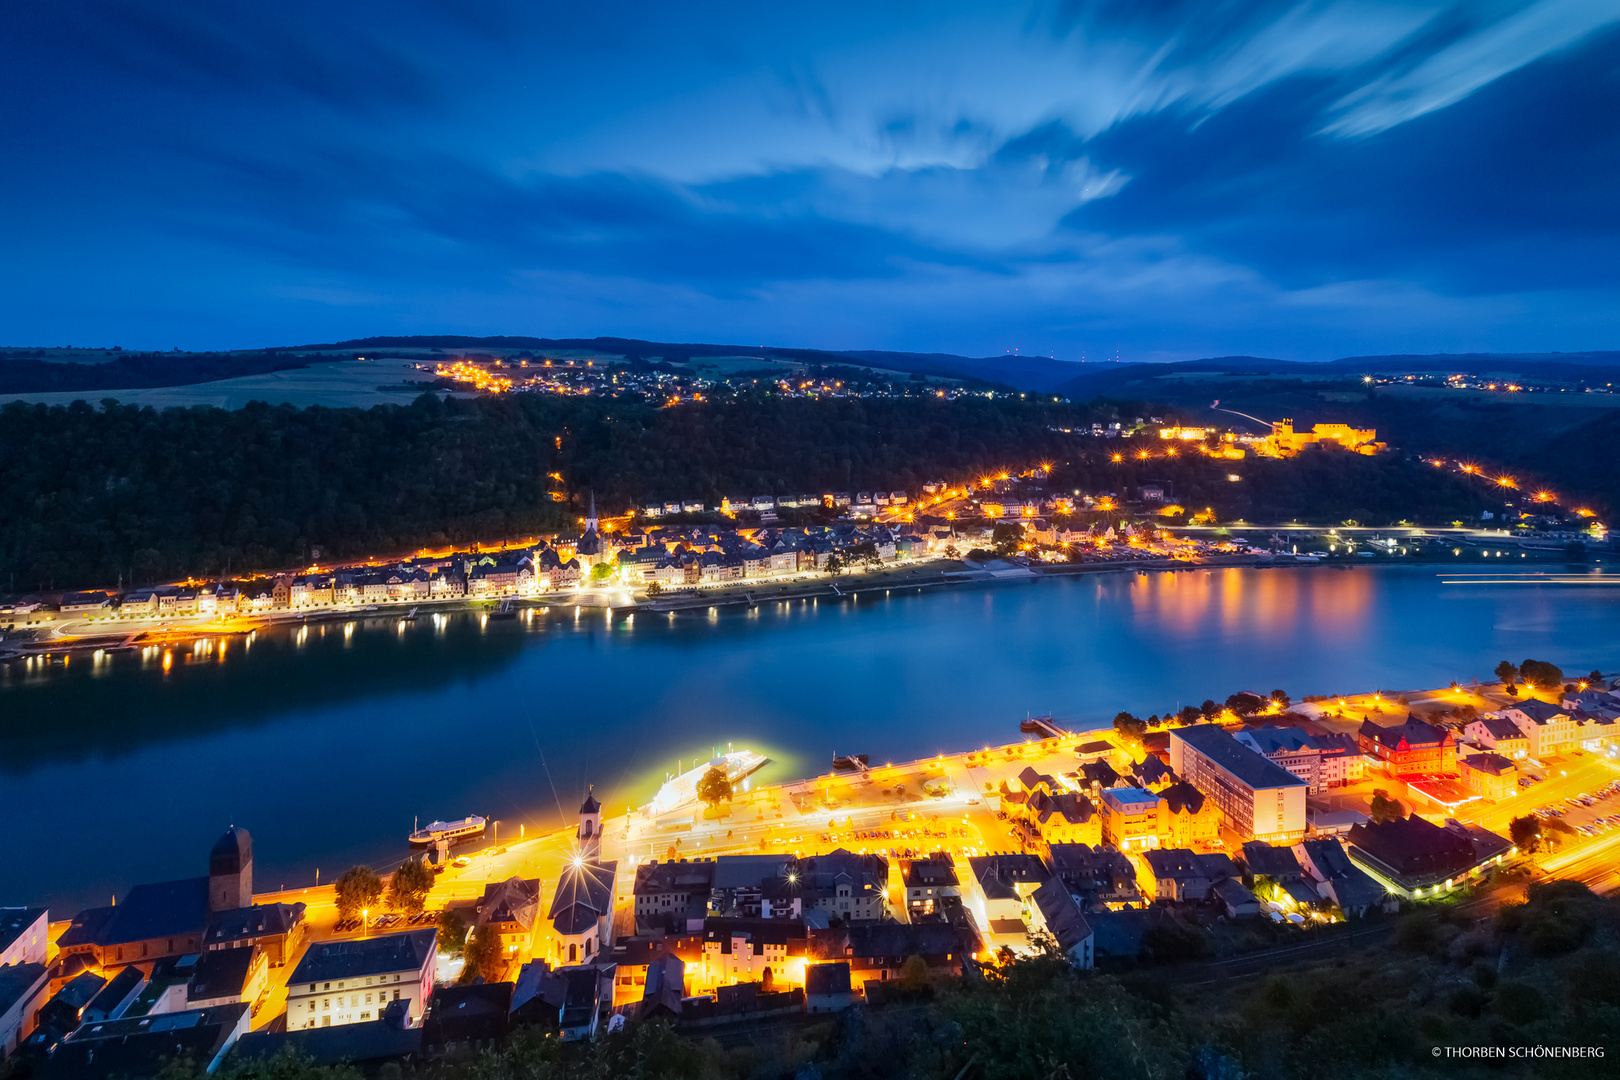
(327, 960)
(1251, 768)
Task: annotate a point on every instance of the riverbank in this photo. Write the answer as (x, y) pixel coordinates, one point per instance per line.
(104, 636)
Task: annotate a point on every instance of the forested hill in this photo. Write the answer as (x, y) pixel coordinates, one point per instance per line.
(95, 495)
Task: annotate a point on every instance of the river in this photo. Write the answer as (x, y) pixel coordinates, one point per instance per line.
(327, 741)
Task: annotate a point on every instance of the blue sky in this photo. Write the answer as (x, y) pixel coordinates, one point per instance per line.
(1159, 179)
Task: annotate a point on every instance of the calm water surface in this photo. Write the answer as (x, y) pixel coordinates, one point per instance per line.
(327, 741)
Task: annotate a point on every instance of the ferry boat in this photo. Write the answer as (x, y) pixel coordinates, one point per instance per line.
(453, 832)
(681, 790)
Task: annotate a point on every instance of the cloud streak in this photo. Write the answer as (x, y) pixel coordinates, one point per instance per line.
(1308, 178)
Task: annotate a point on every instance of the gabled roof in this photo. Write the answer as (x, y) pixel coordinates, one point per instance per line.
(584, 894)
(1495, 764)
(352, 959)
(1413, 733)
(220, 973)
(1500, 727)
(260, 920)
(1061, 913)
(1182, 797)
(162, 909)
(1255, 770)
(1538, 711)
(1266, 861)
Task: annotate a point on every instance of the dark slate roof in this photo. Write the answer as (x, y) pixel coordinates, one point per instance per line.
(478, 1011)
(1031, 779)
(13, 921)
(1412, 845)
(1255, 770)
(1100, 773)
(827, 979)
(81, 990)
(1328, 856)
(1495, 764)
(366, 956)
(220, 973)
(231, 852)
(1414, 733)
(119, 990)
(1266, 861)
(18, 981)
(1500, 727)
(584, 894)
(1537, 710)
(1151, 770)
(163, 909)
(515, 900)
(935, 871)
(1062, 914)
(260, 920)
(1271, 739)
(140, 1047)
(1183, 798)
(367, 1041)
(86, 927)
(590, 805)
(654, 877)
(997, 874)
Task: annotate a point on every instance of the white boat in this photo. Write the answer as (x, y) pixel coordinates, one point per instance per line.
(453, 832)
(681, 790)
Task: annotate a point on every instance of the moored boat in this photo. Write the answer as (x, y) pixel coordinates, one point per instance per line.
(453, 832)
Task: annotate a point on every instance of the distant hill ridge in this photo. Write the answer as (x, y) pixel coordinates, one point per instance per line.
(27, 374)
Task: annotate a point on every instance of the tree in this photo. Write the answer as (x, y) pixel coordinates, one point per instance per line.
(452, 931)
(1595, 678)
(713, 787)
(1130, 727)
(1384, 808)
(1525, 832)
(484, 955)
(1209, 709)
(409, 887)
(1190, 714)
(1008, 537)
(1506, 673)
(358, 889)
(655, 590)
(914, 974)
(1541, 673)
(835, 565)
(601, 572)
(1280, 699)
(1245, 704)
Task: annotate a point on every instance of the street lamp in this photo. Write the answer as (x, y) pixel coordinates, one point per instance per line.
(365, 917)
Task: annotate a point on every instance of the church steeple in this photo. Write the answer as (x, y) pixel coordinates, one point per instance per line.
(590, 521)
(589, 835)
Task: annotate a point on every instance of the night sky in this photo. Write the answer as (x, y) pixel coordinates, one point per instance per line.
(1165, 180)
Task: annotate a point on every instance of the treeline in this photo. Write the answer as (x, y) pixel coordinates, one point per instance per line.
(95, 495)
(98, 495)
(23, 372)
(1543, 974)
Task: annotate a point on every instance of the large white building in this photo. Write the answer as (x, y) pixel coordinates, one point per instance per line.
(1258, 798)
(348, 982)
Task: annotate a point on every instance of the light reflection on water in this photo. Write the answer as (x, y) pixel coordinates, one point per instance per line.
(326, 740)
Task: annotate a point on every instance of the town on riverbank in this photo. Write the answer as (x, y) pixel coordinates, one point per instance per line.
(1244, 835)
(691, 554)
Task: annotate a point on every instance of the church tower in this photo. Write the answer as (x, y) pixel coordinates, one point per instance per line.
(590, 522)
(230, 871)
(590, 828)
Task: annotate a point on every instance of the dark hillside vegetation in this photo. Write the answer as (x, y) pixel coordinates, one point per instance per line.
(95, 496)
(1535, 989)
